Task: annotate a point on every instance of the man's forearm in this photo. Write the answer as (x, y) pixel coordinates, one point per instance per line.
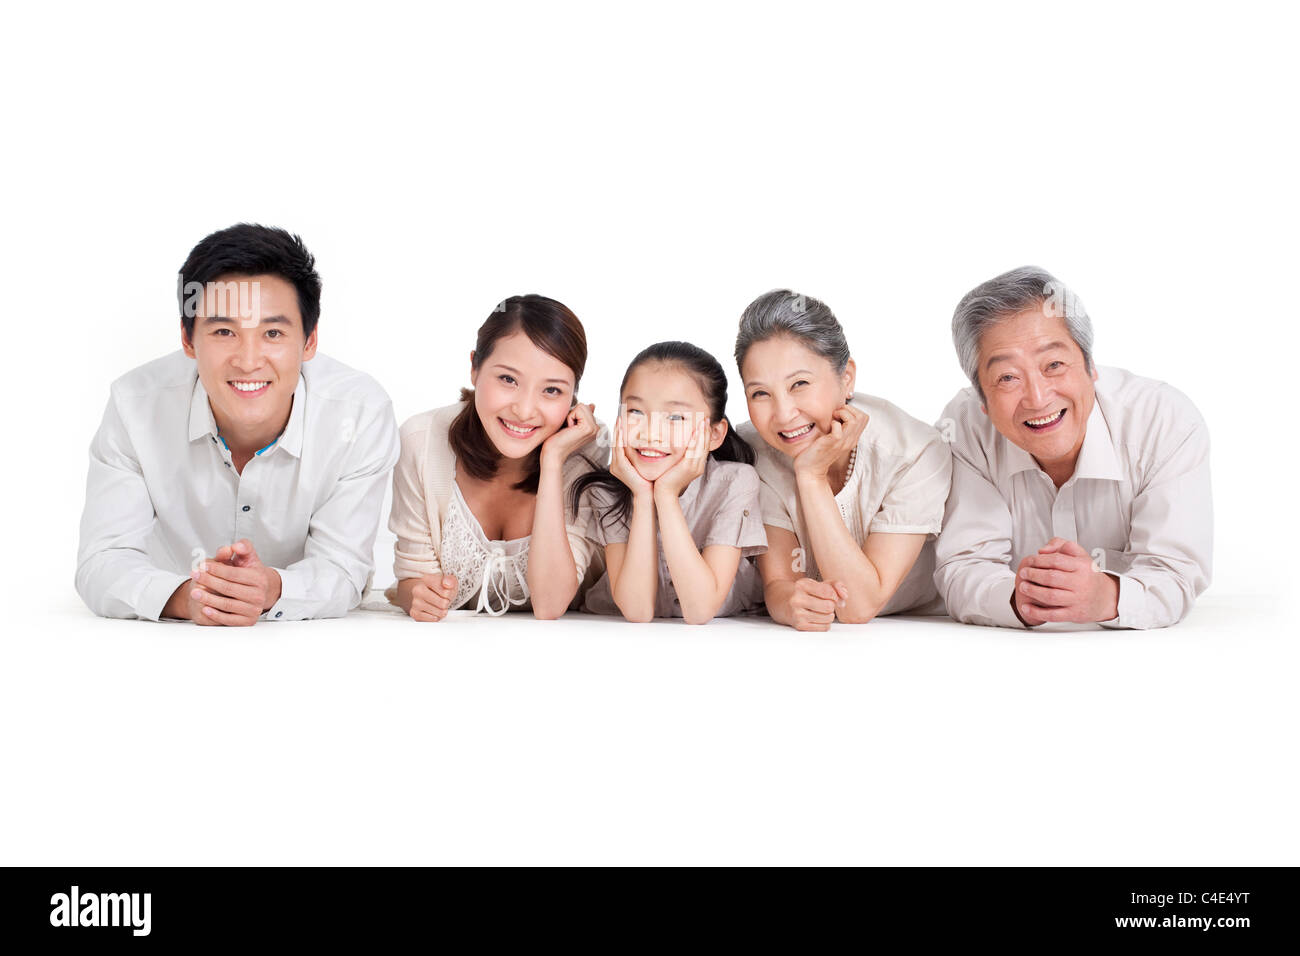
(178, 605)
(123, 583)
(978, 591)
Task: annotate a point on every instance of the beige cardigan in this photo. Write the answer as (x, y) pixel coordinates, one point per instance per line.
(422, 483)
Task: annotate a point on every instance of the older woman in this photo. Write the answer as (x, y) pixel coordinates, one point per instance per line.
(853, 487)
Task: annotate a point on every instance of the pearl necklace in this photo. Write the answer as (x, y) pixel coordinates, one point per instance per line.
(848, 472)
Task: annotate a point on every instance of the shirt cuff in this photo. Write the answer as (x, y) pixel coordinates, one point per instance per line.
(282, 608)
(1129, 606)
(156, 592)
(297, 602)
(999, 609)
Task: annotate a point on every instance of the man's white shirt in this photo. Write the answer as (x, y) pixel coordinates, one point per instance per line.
(1138, 502)
(162, 492)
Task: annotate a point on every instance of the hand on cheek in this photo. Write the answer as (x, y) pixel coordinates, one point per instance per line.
(690, 466)
(846, 427)
(622, 467)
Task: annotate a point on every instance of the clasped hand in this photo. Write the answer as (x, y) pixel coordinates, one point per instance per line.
(1061, 583)
(232, 588)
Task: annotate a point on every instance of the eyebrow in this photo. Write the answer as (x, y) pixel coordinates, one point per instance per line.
(798, 371)
(266, 320)
(515, 371)
(1006, 358)
(638, 398)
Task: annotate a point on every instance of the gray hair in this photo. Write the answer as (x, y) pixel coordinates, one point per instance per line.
(1028, 287)
(782, 312)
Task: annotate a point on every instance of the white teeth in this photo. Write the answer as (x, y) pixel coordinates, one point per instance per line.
(647, 453)
(518, 431)
(250, 386)
(797, 432)
(1045, 421)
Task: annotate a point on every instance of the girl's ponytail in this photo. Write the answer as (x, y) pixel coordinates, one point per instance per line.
(733, 447)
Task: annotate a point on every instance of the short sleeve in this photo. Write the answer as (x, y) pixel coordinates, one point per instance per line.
(915, 501)
(732, 515)
(583, 541)
(598, 525)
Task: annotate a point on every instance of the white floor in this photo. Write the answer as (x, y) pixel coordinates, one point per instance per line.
(910, 741)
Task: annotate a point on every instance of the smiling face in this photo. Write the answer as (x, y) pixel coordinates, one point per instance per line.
(662, 404)
(521, 394)
(1038, 391)
(792, 392)
(249, 349)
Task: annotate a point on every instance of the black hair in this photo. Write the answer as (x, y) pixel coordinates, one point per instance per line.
(712, 380)
(248, 249)
(553, 328)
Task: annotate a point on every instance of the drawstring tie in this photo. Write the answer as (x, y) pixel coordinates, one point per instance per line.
(496, 583)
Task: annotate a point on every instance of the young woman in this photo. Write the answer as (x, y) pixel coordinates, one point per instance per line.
(677, 512)
(853, 487)
(480, 488)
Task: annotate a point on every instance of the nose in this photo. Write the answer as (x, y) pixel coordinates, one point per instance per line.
(524, 407)
(248, 356)
(1037, 391)
(656, 429)
(783, 410)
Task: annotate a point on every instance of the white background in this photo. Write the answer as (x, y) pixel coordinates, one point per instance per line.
(655, 171)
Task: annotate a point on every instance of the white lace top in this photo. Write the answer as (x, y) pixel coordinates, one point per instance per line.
(494, 570)
(422, 493)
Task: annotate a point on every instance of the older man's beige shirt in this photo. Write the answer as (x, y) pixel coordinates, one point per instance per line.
(1138, 501)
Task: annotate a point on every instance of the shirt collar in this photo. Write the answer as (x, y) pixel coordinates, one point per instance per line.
(203, 425)
(1097, 458)
(1014, 459)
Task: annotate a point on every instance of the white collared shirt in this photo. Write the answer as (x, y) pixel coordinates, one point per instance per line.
(163, 494)
(1138, 501)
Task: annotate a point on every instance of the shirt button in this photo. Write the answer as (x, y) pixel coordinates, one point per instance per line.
(279, 613)
(746, 512)
(228, 465)
(248, 507)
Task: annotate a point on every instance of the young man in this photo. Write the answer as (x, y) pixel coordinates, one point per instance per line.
(240, 478)
(1079, 494)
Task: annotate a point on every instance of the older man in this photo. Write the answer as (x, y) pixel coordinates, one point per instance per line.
(1079, 494)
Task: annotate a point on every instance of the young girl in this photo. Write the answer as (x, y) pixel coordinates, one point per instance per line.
(677, 511)
(480, 487)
